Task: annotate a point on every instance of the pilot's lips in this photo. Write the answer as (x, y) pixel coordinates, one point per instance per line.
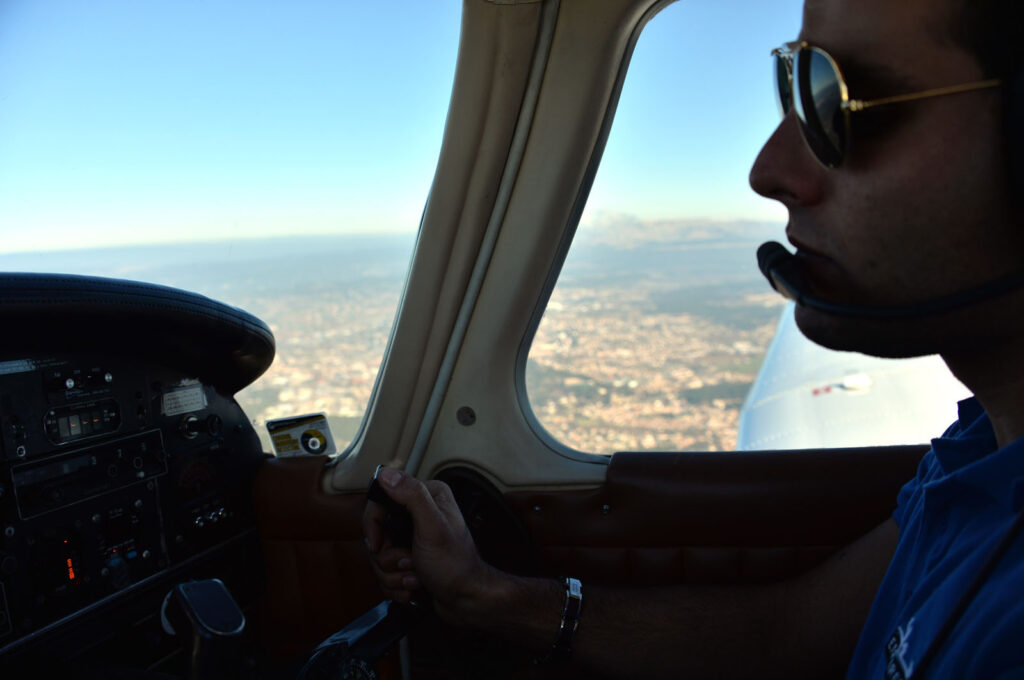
(820, 271)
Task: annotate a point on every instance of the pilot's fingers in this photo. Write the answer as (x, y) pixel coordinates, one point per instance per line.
(373, 526)
(397, 580)
(393, 569)
(430, 524)
(392, 559)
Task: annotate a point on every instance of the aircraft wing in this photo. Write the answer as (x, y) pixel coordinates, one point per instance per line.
(806, 396)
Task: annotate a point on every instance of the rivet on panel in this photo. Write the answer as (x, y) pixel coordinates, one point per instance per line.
(536, 509)
(605, 509)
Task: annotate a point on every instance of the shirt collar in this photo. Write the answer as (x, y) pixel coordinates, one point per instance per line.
(968, 453)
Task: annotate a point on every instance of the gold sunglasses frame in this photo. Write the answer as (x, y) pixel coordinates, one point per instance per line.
(788, 53)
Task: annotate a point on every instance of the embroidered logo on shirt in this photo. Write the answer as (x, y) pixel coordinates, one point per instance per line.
(896, 666)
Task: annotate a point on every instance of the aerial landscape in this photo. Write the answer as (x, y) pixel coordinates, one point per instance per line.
(651, 338)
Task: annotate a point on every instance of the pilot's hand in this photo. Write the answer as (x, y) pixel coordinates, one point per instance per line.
(443, 558)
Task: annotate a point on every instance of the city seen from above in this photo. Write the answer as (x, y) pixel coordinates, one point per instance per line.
(650, 341)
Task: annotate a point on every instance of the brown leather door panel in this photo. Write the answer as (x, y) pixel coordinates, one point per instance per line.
(659, 519)
(665, 518)
(318, 572)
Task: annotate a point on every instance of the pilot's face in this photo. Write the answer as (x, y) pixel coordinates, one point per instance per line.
(920, 207)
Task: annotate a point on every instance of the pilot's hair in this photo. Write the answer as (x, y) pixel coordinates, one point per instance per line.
(993, 30)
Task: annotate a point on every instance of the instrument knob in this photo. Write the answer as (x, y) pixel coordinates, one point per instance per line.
(115, 570)
(189, 427)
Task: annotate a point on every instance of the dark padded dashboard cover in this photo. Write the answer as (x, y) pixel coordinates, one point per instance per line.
(63, 313)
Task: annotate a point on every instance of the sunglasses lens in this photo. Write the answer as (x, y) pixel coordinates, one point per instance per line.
(819, 105)
(783, 84)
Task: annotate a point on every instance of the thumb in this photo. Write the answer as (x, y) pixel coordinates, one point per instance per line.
(406, 490)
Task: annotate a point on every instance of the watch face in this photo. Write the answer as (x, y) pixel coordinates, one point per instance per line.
(357, 669)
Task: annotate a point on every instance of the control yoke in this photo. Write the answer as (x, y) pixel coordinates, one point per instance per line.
(211, 623)
(353, 651)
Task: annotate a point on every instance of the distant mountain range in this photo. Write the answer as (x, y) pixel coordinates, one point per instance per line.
(629, 232)
(612, 248)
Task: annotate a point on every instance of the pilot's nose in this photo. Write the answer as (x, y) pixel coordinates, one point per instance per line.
(786, 170)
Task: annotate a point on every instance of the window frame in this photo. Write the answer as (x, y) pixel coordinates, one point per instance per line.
(576, 214)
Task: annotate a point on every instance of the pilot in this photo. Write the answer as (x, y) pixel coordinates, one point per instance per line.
(903, 211)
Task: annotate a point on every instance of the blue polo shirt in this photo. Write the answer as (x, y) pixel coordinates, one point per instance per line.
(951, 516)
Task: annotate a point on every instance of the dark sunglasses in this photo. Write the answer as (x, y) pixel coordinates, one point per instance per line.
(808, 80)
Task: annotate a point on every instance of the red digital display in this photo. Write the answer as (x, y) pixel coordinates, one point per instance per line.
(69, 562)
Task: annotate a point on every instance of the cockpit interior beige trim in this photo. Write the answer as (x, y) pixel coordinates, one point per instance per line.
(592, 39)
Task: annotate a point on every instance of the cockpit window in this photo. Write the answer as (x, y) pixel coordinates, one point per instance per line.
(272, 156)
(660, 321)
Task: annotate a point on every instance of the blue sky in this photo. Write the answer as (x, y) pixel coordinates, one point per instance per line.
(125, 121)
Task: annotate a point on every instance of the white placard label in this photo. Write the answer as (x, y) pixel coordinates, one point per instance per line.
(183, 400)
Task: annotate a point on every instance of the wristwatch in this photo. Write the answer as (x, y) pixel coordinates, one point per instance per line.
(571, 610)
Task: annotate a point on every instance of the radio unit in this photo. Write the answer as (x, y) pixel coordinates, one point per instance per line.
(69, 478)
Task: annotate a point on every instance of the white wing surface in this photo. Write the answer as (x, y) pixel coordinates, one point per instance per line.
(806, 396)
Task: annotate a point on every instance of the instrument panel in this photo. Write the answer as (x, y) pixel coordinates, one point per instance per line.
(114, 474)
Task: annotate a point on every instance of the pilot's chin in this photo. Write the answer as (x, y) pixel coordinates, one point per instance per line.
(879, 338)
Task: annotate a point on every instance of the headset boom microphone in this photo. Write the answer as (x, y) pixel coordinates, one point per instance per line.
(780, 268)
